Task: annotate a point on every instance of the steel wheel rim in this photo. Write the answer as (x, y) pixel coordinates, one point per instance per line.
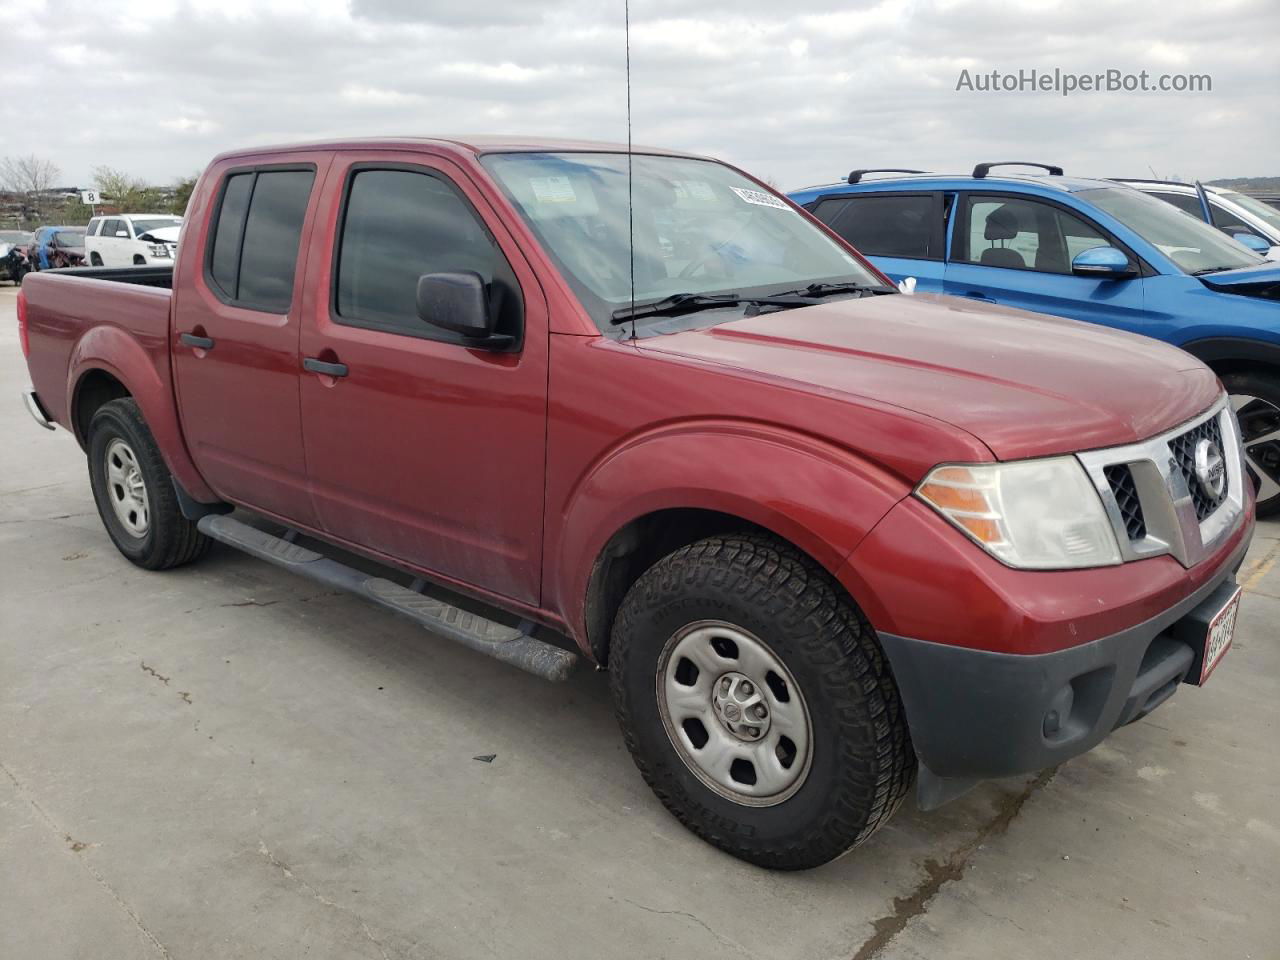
(741, 695)
(1260, 436)
(126, 489)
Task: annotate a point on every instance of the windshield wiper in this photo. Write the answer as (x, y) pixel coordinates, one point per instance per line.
(679, 303)
(831, 289)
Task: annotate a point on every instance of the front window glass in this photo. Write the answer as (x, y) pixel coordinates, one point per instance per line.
(699, 228)
(1192, 244)
(1263, 211)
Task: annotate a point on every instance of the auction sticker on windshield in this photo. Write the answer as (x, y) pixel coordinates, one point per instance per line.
(760, 198)
(553, 189)
(1220, 632)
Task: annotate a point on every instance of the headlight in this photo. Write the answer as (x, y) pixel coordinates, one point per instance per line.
(1036, 514)
(159, 250)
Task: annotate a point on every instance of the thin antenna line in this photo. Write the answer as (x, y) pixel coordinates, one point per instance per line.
(631, 222)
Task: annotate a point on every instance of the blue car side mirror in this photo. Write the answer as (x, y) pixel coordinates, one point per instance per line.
(1252, 241)
(1102, 263)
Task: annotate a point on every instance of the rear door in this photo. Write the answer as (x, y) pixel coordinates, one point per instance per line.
(903, 233)
(109, 243)
(424, 450)
(1017, 250)
(236, 335)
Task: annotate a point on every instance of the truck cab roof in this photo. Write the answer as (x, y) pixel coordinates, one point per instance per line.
(472, 145)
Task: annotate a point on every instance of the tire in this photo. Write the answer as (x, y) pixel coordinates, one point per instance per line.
(1256, 399)
(139, 260)
(765, 599)
(95, 260)
(134, 491)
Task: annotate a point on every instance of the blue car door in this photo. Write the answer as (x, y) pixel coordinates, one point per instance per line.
(1016, 250)
(902, 232)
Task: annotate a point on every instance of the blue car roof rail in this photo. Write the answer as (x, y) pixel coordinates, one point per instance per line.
(857, 175)
(982, 169)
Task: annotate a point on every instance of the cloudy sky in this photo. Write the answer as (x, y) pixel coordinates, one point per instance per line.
(799, 91)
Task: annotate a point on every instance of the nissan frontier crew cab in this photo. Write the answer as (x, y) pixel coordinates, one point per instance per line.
(829, 540)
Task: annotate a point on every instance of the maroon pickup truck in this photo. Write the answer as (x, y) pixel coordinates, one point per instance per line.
(828, 539)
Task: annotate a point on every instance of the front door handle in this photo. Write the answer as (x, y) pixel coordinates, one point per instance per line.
(192, 340)
(321, 366)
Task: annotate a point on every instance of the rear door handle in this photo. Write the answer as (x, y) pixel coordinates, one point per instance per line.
(320, 366)
(191, 340)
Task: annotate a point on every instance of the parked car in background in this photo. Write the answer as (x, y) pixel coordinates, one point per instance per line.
(1247, 219)
(828, 539)
(132, 239)
(13, 255)
(53, 247)
(1091, 250)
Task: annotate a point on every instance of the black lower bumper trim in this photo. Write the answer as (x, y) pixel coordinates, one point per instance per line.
(976, 715)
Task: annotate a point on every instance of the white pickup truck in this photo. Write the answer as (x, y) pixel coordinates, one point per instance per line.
(132, 239)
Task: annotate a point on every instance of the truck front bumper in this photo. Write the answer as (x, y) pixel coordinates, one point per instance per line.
(978, 714)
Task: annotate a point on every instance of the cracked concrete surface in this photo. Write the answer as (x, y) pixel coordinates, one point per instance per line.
(200, 764)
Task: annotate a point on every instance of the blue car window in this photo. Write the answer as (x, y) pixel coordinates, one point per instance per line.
(1024, 234)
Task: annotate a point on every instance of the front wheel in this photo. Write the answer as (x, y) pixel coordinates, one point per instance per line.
(1255, 397)
(757, 703)
(134, 491)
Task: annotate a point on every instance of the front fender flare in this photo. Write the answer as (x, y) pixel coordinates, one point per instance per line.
(114, 351)
(1239, 349)
(819, 497)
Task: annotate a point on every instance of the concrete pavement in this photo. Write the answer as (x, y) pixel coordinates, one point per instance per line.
(226, 761)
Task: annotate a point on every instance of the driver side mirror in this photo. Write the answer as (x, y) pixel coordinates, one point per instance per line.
(1102, 263)
(1253, 242)
(123, 233)
(458, 302)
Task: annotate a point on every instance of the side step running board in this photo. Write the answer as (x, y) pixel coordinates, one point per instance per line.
(508, 644)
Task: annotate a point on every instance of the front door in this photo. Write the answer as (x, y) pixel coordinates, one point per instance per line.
(420, 447)
(1017, 251)
(235, 348)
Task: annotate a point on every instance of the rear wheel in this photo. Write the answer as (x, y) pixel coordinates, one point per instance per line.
(134, 491)
(757, 703)
(95, 260)
(1255, 397)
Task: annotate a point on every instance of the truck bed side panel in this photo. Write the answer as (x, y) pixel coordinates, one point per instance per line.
(81, 324)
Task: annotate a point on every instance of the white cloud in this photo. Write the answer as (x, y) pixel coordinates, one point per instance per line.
(800, 92)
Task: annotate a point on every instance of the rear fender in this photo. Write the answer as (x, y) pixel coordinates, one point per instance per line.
(139, 368)
(817, 496)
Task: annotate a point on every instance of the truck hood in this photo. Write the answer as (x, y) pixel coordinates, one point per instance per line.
(163, 234)
(1261, 281)
(1024, 384)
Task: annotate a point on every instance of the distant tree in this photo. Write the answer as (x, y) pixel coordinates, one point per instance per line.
(30, 176)
(182, 191)
(129, 193)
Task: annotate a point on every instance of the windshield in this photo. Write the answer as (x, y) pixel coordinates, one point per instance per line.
(69, 238)
(1263, 211)
(699, 227)
(1189, 242)
(142, 226)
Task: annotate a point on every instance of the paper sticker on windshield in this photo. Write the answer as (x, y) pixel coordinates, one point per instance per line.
(693, 190)
(553, 190)
(760, 198)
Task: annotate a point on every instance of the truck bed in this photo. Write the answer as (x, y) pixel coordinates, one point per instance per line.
(77, 317)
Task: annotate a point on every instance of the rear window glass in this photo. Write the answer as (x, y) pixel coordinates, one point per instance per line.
(255, 242)
(890, 226)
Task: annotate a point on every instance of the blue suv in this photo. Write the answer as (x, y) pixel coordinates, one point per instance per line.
(1091, 250)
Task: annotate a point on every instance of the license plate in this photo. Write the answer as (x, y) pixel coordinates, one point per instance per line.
(1218, 639)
